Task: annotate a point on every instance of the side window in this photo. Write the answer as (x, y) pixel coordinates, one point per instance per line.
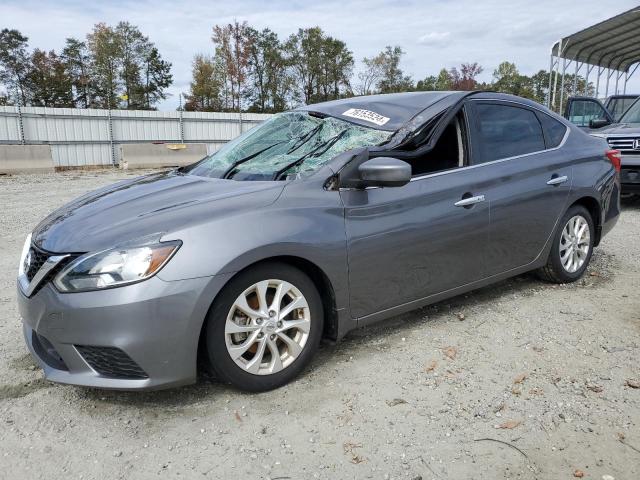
(554, 130)
(448, 152)
(506, 131)
(582, 111)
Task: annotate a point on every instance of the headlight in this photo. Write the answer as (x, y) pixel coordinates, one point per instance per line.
(22, 268)
(115, 267)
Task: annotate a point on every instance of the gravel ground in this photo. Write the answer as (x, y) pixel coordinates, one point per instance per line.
(518, 380)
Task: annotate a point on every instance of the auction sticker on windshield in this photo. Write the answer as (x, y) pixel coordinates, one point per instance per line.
(367, 115)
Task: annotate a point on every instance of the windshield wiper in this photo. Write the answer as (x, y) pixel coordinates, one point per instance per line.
(305, 138)
(319, 150)
(233, 166)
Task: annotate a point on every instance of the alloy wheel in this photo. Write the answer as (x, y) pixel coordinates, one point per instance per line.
(575, 243)
(267, 327)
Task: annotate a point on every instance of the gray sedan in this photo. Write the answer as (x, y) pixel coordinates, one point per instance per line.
(320, 220)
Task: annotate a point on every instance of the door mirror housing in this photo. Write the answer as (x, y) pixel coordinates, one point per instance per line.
(599, 123)
(384, 172)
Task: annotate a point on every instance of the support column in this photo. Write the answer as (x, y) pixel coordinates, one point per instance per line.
(564, 70)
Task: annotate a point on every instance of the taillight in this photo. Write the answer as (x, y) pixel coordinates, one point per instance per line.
(614, 158)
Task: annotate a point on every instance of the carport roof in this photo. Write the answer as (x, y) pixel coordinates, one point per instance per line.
(613, 44)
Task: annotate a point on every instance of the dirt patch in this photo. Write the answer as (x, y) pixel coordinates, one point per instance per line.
(521, 379)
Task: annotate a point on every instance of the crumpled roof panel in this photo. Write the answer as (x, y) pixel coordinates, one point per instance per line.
(614, 43)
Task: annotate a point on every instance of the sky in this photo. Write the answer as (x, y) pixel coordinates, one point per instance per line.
(433, 33)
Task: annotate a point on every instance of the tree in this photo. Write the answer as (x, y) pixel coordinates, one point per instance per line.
(336, 69)
(133, 48)
(270, 82)
(321, 65)
(507, 79)
(105, 47)
(48, 81)
(393, 78)
(78, 65)
(14, 63)
(157, 77)
(205, 87)
(465, 78)
(371, 74)
(303, 51)
(444, 81)
(233, 44)
(540, 86)
(428, 84)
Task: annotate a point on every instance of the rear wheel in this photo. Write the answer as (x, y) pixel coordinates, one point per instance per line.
(264, 327)
(572, 247)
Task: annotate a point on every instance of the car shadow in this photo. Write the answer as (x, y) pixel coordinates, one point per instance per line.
(355, 342)
(630, 202)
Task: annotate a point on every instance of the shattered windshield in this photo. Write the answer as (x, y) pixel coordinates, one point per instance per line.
(286, 146)
(632, 115)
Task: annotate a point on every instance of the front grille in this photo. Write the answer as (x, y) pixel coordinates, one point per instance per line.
(624, 144)
(38, 259)
(47, 352)
(111, 362)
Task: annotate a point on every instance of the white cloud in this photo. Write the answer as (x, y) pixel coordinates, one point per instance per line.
(486, 32)
(434, 38)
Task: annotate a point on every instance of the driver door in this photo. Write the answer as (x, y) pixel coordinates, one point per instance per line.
(411, 242)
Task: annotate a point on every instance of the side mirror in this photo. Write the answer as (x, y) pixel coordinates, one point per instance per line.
(599, 123)
(384, 172)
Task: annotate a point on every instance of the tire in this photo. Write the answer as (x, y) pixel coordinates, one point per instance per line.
(257, 369)
(556, 270)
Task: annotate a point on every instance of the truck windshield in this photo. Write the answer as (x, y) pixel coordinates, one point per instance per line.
(287, 146)
(633, 114)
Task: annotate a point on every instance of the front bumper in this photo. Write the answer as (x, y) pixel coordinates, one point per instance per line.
(155, 324)
(630, 174)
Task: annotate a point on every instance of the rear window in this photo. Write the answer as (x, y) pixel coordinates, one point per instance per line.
(506, 131)
(554, 130)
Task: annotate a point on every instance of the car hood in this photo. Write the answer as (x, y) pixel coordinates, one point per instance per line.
(617, 129)
(144, 206)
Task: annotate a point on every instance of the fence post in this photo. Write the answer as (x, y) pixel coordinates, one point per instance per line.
(181, 120)
(20, 123)
(110, 130)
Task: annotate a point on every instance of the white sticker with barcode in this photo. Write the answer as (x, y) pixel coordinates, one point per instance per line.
(366, 115)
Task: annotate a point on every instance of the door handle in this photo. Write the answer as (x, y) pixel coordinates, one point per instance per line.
(466, 202)
(557, 180)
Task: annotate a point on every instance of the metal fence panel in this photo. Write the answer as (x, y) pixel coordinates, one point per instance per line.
(80, 137)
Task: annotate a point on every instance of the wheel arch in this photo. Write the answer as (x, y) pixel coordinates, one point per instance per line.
(318, 277)
(593, 207)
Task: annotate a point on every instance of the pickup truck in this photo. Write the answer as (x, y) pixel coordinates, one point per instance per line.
(583, 111)
(621, 132)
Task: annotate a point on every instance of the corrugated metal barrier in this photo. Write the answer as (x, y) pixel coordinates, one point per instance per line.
(80, 137)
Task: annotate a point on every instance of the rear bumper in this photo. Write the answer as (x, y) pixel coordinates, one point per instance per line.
(153, 327)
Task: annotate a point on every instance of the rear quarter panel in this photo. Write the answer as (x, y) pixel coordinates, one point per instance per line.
(594, 177)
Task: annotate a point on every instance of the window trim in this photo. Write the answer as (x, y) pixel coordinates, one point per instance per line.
(470, 147)
(494, 162)
(497, 102)
(547, 140)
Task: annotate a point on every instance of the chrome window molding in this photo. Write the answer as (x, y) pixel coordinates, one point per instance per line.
(493, 162)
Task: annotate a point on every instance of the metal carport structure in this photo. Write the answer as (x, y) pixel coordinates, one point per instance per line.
(611, 46)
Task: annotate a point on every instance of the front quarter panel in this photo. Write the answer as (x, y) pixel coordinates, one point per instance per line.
(306, 221)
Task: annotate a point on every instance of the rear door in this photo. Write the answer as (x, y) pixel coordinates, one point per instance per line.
(525, 177)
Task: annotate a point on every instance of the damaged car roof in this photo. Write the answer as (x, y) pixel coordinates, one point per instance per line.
(383, 112)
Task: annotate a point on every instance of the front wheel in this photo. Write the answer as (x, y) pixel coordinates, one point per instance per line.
(264, 327)
(572, 247)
